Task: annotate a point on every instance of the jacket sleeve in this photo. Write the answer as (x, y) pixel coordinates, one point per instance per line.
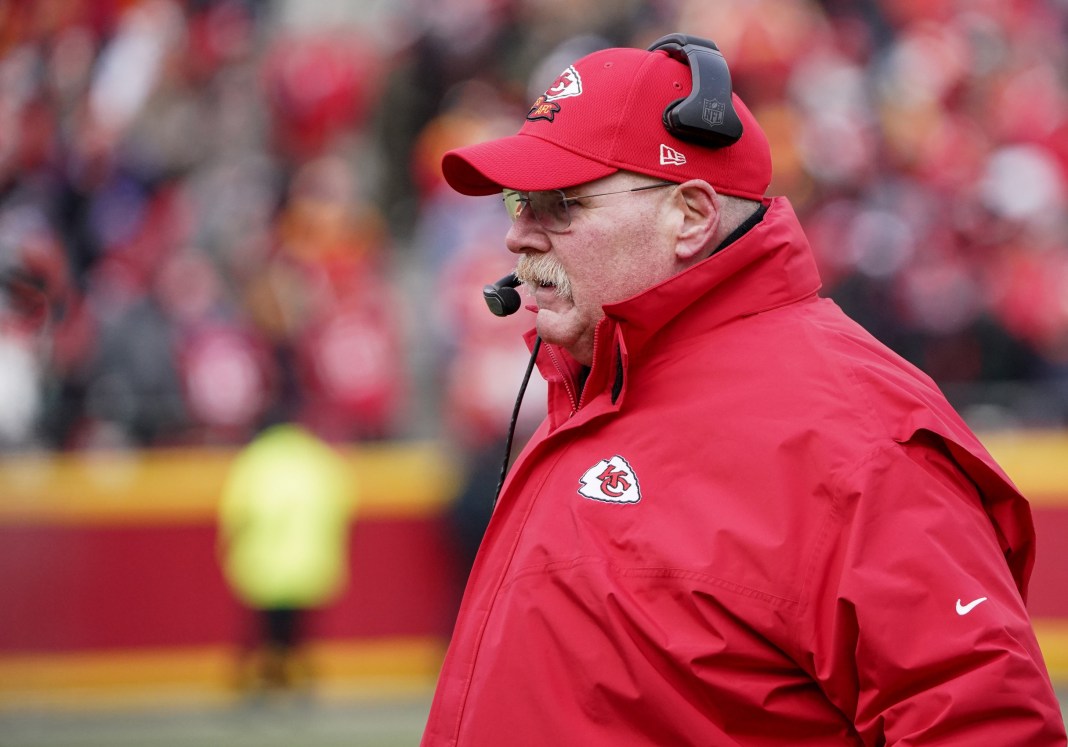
(917, 630)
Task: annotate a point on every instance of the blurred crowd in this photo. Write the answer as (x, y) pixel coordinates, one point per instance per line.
(216, 214)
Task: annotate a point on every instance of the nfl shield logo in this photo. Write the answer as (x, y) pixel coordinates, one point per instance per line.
(713, 111)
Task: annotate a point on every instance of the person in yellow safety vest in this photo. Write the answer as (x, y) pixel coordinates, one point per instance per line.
(283, 540)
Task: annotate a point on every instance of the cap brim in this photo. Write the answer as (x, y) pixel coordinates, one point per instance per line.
(522, 162)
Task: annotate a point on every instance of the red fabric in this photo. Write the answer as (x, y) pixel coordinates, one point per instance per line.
(761, 541)
(605, 113)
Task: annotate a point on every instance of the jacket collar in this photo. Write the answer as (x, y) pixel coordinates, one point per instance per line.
(770, 266)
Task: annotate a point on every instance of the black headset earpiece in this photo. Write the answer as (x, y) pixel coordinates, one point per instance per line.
(707, 115)
(502, 297)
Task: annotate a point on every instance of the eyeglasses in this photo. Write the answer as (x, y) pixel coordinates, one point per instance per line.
(550, 207)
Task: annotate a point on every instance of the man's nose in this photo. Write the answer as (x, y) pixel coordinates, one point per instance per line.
(526, 235)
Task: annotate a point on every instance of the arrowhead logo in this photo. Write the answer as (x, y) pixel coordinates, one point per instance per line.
(611, 481)
(568, 83)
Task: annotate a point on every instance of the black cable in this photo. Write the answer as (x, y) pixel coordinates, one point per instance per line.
(515, 418)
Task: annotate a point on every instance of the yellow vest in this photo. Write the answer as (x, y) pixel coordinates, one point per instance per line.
(284, 516)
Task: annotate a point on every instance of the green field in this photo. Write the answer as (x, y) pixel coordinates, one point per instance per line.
(366, 722)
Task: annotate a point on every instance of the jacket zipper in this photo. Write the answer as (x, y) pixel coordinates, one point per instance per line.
(568, 385)
(582, 396)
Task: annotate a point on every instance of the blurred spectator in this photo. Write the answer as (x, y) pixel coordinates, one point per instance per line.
(283, 542)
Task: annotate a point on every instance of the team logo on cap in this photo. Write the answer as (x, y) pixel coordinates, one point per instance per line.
(567, 84)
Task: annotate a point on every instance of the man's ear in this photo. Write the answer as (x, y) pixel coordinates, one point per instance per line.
(699, 219)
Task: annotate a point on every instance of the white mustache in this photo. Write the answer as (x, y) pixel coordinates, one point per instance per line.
(542, 269)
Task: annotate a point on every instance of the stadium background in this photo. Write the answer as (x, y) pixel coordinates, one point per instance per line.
(215, 213)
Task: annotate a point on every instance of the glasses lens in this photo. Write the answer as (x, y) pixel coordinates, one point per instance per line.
(548, 208)
(514, 202)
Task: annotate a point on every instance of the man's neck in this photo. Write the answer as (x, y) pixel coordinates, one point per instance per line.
(743, 228)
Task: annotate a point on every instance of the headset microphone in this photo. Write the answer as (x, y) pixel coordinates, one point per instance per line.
(502, 297)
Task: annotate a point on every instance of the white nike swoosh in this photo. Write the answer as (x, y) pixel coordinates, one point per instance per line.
(964, 609)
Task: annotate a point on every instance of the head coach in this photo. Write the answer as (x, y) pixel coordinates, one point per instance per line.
(744, 521)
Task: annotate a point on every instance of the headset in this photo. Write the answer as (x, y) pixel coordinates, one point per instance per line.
(707, 115)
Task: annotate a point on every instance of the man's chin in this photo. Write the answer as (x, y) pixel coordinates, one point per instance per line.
(562, 329)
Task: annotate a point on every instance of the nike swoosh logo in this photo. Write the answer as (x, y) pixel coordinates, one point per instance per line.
(964, 609)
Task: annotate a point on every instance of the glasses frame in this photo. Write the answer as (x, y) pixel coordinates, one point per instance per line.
(517, 201)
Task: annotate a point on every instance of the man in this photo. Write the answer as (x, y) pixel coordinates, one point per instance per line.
(744, 521)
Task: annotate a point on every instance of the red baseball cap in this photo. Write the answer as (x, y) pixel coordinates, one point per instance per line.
(605, 114)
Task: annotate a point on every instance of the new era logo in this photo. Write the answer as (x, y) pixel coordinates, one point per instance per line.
(670, 156)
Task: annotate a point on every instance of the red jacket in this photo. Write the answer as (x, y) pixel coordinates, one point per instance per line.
(757, 526)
